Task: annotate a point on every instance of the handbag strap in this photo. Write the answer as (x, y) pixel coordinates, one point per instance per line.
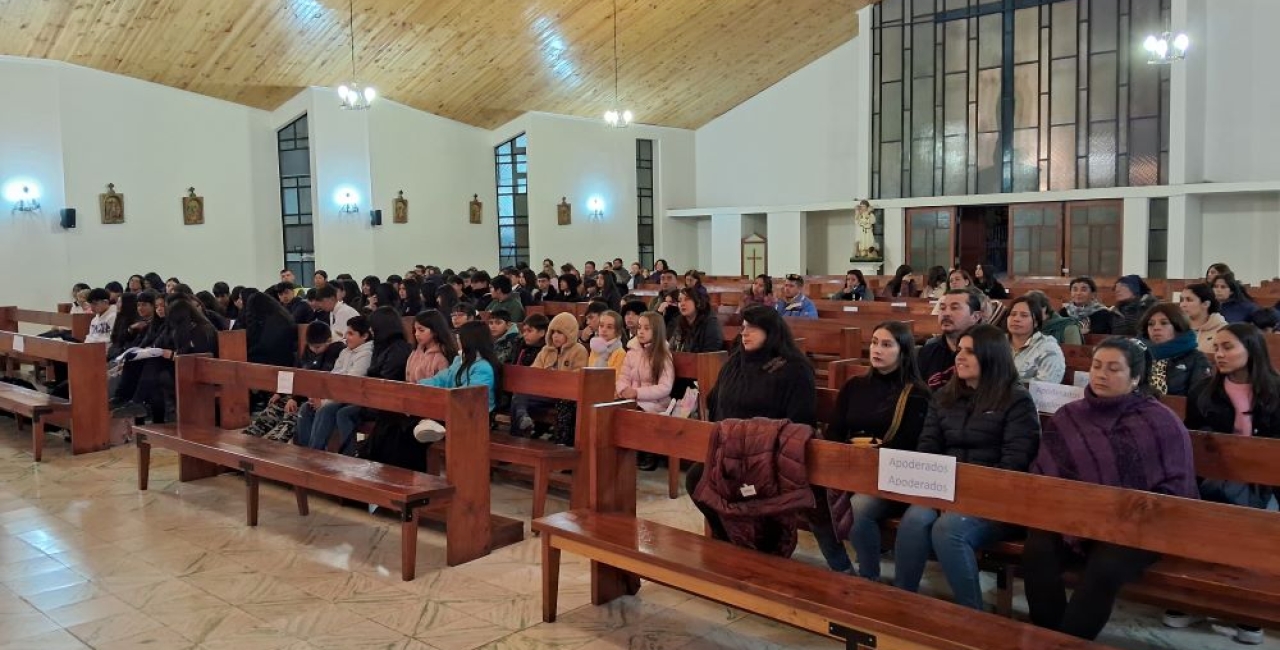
(897, 413)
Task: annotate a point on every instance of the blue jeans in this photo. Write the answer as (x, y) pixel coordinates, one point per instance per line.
(955, 538)
(316, 426)
(1234, 493)
(868, 512)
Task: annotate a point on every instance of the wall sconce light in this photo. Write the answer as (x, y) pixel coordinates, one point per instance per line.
(595, 208)
(24, 195)
(348, 201)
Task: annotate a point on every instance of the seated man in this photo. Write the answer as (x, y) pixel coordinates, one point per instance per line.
(795, 304)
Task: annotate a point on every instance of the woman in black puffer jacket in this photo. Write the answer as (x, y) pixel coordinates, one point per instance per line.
(981, 416)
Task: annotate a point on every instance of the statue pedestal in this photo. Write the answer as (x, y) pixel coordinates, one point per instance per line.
(867, 268)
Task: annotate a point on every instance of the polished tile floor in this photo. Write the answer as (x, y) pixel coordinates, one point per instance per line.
(88, 561)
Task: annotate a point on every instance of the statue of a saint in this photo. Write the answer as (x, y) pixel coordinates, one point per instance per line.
(864, 234)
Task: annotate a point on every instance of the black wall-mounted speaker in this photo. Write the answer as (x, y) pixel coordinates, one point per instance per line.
(67, 217)
(375, 217)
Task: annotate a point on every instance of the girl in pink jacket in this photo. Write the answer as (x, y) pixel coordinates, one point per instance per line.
(648, 371)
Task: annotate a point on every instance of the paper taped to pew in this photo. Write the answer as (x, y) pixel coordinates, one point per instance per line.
(897, 304)
(852, 308)
(1051, 397)
(284, 383)
(19, 344)
(917, 474)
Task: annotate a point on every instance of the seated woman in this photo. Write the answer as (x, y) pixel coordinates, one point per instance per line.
(855, 287)
(1119, 436)
(1036, 355)
(1201, 308)
(129, 326)
(1133, 299)
(1178, 363)
(935, 286)
(1084, 307)
(1065, 331)
(984, 278)
(693, 280)
(959, 279)
(270, 331)
(147, 379)
(903, 285)
(475, 365)
(767, 377)
(884, 408)
(1234, 302)
(759, 293)
(696, 329)
(981, 416)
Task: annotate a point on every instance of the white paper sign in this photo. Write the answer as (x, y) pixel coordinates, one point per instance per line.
(917, 474)
(852, 308)
(1051, 397)
(19, 344)
(1080, 378)
(897, 304)
(284, 383)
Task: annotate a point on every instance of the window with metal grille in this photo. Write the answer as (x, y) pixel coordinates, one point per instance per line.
(644, 199)
(294, 151)
(512, 164)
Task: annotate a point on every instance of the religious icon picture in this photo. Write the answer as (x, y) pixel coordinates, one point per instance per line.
(192, 208)
(111, 205)
(564, 213)
(400, 208)
(866, 222)
(477, 209)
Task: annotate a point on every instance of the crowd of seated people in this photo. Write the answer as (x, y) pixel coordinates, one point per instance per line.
(963, 393)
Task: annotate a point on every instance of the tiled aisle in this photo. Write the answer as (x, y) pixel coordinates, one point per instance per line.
(86, 560)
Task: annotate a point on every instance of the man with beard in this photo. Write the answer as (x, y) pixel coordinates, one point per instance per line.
(958, 310)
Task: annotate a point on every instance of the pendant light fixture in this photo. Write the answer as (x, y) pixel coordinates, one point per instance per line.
(616, 117)
(1166, 48)
(354, 96)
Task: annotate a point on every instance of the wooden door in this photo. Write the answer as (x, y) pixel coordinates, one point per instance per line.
(1094, 238)
(1036, 240)
(930, 237)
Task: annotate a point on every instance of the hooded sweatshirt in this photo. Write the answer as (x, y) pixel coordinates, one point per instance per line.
(572, 355)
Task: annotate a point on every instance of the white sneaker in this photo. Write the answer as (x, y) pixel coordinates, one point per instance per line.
(1178, 620)
(428, 431)
(1242, 634)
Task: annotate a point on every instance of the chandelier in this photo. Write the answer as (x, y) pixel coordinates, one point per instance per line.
(354, 96)
(614, 117)
(1166, 48)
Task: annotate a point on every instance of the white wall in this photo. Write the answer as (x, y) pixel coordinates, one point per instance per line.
(796, 142)
(439, 164)
(580, 158)
(90, 128)
(1242, 130)
(830, 236)
(1241, 230)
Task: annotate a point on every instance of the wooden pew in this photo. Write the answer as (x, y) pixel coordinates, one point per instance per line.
(552, 307)
(703, 368)
(827, 340)
(1191, 534)
(206, 449)
(586, 388)
(623, 548)
(34, 406)
(86, 416)
(78, 324)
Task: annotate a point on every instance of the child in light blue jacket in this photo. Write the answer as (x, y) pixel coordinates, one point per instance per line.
(475, 365)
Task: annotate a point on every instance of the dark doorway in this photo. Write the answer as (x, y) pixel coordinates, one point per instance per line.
(983, 237)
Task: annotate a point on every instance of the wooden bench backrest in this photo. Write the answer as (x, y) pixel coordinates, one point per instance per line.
(703, 368)
(828, 337)
(465, 412)
(86, 384)
(553, 307)
(11, 316)
(1172, 525)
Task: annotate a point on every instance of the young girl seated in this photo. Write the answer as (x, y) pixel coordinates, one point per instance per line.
(435, 347)
(647, 370)
(607, 347)
(475, 365)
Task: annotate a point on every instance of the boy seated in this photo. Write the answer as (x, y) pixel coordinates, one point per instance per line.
(280, 419)
(505, 334)
(463, 312)
(533, 337)
(353, 361)
(594, 309)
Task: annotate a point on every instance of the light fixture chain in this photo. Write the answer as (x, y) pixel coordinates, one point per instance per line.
(351, 25)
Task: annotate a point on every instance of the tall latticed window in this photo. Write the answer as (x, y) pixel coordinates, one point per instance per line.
(294, 151)
(512, 165)
(644, 198)
(991, 96)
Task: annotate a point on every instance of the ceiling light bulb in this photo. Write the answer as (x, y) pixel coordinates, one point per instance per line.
(1181, 42)
(1149, 44)
(369, 94)
(343, 91)
(626, 117)
(1162, 48)
(611, 116)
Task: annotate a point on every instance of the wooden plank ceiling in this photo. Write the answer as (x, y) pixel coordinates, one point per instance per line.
(482, 62)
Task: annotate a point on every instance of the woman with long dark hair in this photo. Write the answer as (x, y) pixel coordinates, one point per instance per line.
(349, 294)
(136, 284)
(1215, 270)
(410, 297)
(569, 288)
(475, 365)
(883, 408)
(759, 293)
(1201, 308)
(984, 278)
(143, 382)
(766, 376)
(901, 286)
(270, 332)
(369, 287)
(984, 416)
(1037, 356)
(935, 285)
(659, 267)
(1234, 302)
(385, 295)
(124, 334)
(435, 346)
(1119, 436)
(696, 329)
(855, 287)
(607, 283)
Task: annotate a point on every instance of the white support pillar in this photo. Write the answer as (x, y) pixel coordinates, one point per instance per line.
(895, 239)
(1188, 92)
(1186, 227)
(726, 244)
(788, 241)
(1135, 236)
